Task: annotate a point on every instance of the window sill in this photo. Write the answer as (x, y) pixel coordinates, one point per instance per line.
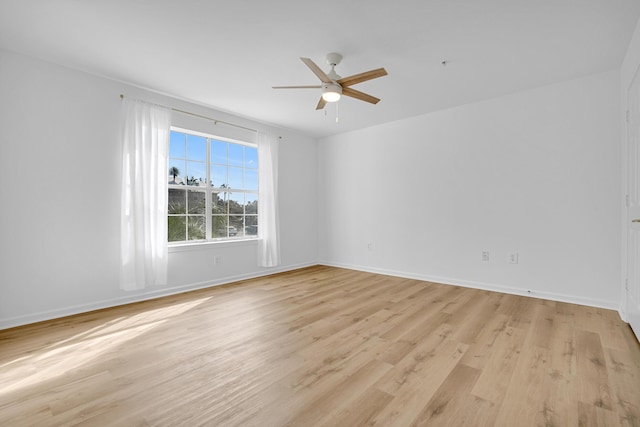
(197, 246)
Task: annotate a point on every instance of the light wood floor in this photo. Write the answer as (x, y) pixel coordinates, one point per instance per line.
(321, 347)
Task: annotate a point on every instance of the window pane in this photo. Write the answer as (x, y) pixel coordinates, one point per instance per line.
(219, 176)
(177, 144)
(197, 203)
(251, 225)
(196, 173)
(218, 152)
(251, 220)
(196, 148)
(218, 226)
(218, 203)
(235, 178)
(251, 179)
(237, 222)
(197, 228)
(177, 201)
(235, 155)
(177, 228)
(236, 203)
(251, 204)
(251, 157)
(176, 170)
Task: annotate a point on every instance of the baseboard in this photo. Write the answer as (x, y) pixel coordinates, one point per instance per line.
(13, 322)
(98, 305)
(623, 312)
(572, 299)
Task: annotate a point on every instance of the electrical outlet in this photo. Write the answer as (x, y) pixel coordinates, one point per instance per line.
(485, 255)
(370, 246)
(217, 260)
(513, 258)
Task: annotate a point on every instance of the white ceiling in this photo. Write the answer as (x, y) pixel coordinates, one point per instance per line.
(228, 54)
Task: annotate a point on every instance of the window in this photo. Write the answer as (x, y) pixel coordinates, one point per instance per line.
(213, 188)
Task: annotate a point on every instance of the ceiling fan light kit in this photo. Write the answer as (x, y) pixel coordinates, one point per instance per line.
(333, 86)
(331, 92)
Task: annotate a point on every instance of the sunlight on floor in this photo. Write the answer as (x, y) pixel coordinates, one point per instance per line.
(77, 351)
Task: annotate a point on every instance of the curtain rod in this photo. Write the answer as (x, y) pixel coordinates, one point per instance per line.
(216, 121)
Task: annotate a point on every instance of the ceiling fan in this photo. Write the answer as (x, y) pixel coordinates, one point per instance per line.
(333, 86)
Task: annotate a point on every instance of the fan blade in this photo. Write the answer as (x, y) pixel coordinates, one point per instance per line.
(321, 104)
(317, 71)
(296, 87)
(347, 91)
(362, 77)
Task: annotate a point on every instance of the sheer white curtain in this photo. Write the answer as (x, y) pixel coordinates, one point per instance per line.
(145, 141)
(268, 222)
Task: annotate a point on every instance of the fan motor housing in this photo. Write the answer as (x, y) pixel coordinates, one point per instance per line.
(331, 87)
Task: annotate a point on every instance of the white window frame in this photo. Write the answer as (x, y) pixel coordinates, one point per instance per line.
(208, 189)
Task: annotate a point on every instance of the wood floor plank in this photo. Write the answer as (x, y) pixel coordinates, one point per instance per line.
(497, 372)
(624, 377)
(342, 396)
(520, 311)
(415, 380)
(454, 405)
(469, 320)
(543, 325)
(483, 345)
(324, 346)
(593, 378)
(562, 343)
(525, 398)
(593, 416)
(605, 323)
(361, 412)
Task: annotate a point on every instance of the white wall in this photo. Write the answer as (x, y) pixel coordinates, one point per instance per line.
(631, 60)
(536, 172)
(60, 163)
